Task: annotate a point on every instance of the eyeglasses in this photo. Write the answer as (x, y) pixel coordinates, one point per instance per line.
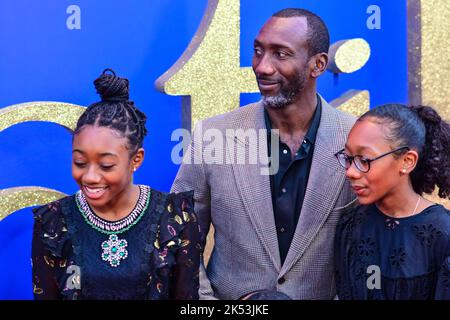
(361, 163)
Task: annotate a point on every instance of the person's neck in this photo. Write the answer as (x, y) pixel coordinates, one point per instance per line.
(120, 206)
(295, 117)
(403, 202)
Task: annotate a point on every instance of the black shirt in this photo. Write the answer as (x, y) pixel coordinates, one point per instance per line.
(288, 184)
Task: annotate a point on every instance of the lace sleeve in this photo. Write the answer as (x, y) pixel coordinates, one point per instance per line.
(186, 269)
(45, 243)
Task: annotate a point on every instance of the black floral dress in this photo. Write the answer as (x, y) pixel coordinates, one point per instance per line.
(153, 253)
(410, 256)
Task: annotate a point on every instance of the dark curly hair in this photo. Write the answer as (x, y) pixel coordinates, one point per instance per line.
(422, 129)
(115, 110)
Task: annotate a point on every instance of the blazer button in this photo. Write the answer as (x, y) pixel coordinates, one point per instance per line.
(281, 280)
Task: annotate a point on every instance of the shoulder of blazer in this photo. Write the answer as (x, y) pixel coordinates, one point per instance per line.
(235, 118)
(344, 120)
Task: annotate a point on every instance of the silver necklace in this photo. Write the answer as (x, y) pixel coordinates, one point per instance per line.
(417, 205)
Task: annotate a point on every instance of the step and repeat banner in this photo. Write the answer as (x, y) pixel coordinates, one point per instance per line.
(186, 60)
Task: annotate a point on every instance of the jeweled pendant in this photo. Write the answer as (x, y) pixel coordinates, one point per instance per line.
(114, 250)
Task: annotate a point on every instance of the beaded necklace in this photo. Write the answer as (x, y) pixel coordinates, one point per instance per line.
(114, 249)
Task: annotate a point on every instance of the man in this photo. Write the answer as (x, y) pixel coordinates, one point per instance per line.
(274, 233)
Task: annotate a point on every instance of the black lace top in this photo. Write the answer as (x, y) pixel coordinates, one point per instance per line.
(160, 260)
(410, 256)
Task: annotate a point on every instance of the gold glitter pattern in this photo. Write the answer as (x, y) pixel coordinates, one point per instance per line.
(355, 102)
(435, 198)
(414, 52)
(435, 64)
(209, 70)
(428, 62)
(347, 56)
(428, 46)
(65, 114)
(14, 199)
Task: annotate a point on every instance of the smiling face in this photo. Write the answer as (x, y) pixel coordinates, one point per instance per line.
(367, 138)
(280, 60)
(102, 167)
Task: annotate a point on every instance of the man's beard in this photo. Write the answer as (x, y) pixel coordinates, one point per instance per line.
(286, 95)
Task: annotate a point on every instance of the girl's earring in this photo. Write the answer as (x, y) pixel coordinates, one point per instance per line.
(404, 170)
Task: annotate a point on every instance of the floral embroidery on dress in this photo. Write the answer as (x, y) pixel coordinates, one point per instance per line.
(427, 233)
(445, 273)
(366, 247)
(408, 269)
(397, 257)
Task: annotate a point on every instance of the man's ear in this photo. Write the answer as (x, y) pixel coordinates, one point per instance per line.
(320, 63)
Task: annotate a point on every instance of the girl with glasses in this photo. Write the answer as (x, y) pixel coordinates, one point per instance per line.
(396, 243)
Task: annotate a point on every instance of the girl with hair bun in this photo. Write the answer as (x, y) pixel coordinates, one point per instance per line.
(395, 244)
(114, 239)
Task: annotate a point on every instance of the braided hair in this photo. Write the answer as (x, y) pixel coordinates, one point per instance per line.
(115, 110)
(421, 129)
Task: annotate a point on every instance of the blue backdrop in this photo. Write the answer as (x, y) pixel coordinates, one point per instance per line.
(42, 60)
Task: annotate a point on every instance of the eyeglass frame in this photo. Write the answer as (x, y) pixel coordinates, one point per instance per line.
(369, 160)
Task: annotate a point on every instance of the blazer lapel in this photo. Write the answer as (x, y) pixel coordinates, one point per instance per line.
(254, 188)
(325, 181)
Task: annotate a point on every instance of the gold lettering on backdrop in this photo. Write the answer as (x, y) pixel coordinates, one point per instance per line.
(428, 47)
(347, 56)
(209, 71)
(14, 199)
(428, 62)
(209, 77)
(355, 102)
(64, 114)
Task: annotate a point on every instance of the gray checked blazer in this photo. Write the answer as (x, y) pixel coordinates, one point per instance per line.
(236, 198)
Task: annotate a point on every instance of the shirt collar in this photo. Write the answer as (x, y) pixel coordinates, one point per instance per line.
(313, 128)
